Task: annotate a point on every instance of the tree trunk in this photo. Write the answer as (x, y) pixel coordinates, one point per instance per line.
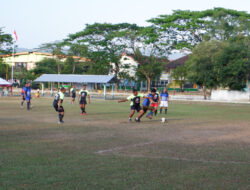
(74, 68)
(149, 84)
(205, 93)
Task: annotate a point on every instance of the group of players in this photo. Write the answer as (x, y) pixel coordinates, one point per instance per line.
(150, 103)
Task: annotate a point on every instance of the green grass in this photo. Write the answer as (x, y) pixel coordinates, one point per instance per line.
(202, 146)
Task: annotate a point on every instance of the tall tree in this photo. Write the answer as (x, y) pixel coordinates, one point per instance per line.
(202, 65)
(234, 63)
(189, 28)
(180, 75)
(5, 42)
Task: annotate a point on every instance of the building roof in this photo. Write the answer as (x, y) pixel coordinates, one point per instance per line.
(70, 78)
(4, 82)
(45, 54)
(178, 62)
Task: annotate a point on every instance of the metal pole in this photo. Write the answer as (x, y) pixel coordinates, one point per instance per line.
(51, 90)
(112, 92)
(104, 91)
(12, 72)
(42, 89)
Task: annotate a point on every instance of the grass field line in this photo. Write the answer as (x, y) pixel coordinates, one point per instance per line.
(123, 147)
(115, 149)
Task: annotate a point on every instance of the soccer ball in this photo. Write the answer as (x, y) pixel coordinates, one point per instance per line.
(163, 120)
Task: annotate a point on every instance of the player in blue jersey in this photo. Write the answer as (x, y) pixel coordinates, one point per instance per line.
(147, 104)
(23, 97)
(27, 94)
(57, 104)
(156, 99)
(164, 97)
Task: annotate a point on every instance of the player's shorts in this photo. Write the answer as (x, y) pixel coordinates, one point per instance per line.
(155, 105)
(164, 104)
(73, 95)
(146, 108)
(137, 108)
(27, 99)
(83, 102)
(56, 108)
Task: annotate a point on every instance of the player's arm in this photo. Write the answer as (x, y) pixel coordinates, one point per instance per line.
(123, 100)
(89, 98)
(59, 103)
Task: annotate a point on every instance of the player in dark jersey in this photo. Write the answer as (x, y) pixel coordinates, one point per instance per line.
(155, 101)
(134, 105)
(73, 94)
(57, 103)
(83, 94)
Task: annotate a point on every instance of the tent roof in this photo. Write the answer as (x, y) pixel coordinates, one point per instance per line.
(4, 82)
(70, 78)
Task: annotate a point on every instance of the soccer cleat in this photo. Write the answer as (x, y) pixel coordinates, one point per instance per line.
(84, 113)
(130, 119)
(81, 114)
(137, 120)
(60, 122)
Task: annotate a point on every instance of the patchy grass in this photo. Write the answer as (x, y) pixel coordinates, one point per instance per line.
(202, 146)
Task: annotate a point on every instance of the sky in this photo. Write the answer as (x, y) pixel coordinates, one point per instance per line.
(42, 21)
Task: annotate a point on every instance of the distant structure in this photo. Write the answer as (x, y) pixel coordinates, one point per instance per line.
(28, 60)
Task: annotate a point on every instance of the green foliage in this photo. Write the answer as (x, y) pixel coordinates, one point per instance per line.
(202, 65)
(180, 75)
(5, 42)
(189, 28)
(149, 67)
(5, 70)
(234, 64)
(46, 66)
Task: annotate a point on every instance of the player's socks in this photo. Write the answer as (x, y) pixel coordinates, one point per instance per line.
(28, 105)
(22, 104)
(166, 111)
(150, 114)
(83, 110)
(155, 112)
(60, 117)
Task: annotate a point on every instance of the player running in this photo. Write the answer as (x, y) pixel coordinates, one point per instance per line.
(83, 94)
(27, 94)
(23, 97)
(57, 103)
(146, 105)
(164, 98)
(73, 94)
(155, 101)
(134, 105)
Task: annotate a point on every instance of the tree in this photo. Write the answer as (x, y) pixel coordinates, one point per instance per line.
(5, 70)
(104, 46)
(189, 28)
(234, 63)
(5, 42)
(46, 66)
(149, 68)
(180, 75)
(202, 65)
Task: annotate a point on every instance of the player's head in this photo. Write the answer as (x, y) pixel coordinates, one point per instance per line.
(153, 91)
(165, 90)
(63, 89)
(135, 92)
(27, 84)
(84, 86)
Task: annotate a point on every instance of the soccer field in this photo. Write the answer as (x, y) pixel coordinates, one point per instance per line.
(201, 146)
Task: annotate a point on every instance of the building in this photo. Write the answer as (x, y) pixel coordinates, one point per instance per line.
(28, 60)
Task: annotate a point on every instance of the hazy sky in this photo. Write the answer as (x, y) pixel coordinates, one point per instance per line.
(42, 21)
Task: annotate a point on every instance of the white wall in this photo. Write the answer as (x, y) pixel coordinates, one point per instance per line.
(226, 95)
